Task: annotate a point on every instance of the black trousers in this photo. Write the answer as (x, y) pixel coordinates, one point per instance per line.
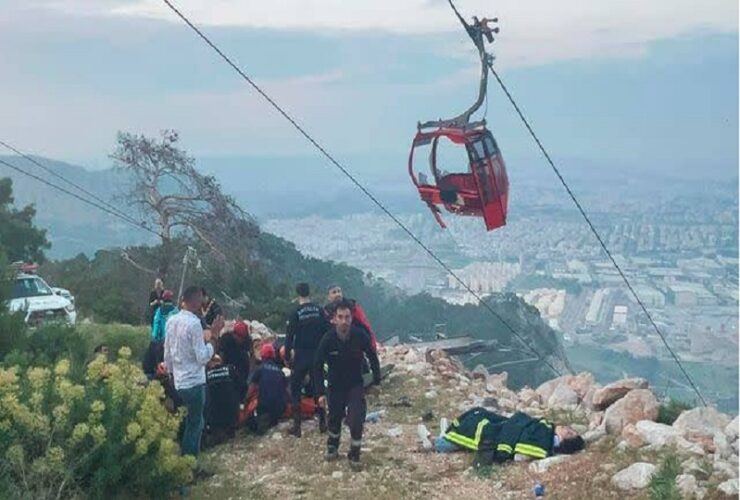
(350, 403)
(302, 366)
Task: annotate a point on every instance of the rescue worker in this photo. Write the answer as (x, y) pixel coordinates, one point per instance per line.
(235, 349)
(359, 318)
(342, 349)
(496, 438)
(306, 326)
(271, 386)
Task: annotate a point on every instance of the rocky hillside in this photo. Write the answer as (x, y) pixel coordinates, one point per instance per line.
(629, 454)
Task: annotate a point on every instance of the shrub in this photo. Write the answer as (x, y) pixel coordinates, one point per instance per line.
(108, 435)
(669, 411)
(663, 483)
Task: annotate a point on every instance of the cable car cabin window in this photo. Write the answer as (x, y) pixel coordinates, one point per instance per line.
(483, 155)
(453, 166)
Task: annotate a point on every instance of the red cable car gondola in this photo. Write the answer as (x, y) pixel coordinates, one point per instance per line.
(482, 190)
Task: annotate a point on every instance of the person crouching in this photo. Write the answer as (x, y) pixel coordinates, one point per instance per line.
(271, 386)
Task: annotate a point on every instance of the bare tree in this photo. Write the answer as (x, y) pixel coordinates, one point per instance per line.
(175, 198)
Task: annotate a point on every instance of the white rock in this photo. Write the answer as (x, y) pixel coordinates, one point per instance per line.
(721, 445)
(395, 432)
(541, 466)
(703, 420)
(729, 488)
(732, 431)
(594, 435)
(412, 356)
(546, 389)
(726, 469)
(430, 394)
(635, 477)
(687, 446)
(277, 436)
(657, 434)
(562, 396)
(688, 486)
(638, 404)
(337, 474)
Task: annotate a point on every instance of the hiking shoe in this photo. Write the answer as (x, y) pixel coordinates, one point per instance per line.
(331, 454)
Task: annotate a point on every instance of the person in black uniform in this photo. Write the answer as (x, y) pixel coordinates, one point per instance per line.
(306, 326)
(271, 386)
(343, 348)
(235, 348)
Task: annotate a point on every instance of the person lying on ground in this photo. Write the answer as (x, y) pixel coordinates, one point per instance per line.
(496, 438)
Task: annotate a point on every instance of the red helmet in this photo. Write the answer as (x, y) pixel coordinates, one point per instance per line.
(168, 295)
(241, 329)
(267, 351)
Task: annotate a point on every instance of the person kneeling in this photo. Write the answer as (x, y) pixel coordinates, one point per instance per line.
(496, 438)
(271, 387)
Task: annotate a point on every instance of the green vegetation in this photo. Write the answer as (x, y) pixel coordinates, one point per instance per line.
(669, 411)
(663, 484)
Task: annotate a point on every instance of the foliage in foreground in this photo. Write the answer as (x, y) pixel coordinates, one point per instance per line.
(663, 483)
(107, 434)
(669, 411)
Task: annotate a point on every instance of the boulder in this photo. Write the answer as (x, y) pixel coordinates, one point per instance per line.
(656, 434)
(498, 380)
(480, 372)
(610, 393)
(547, 388)
(688, 486)
(638, 404)
(542, 466)
(596, 420)
(729, 488)
(413, 356)
(705, 421)
(722, 445)
(726, 469)
(632, 437)
(588, 398)
(594, 435)
(529, 397)
(635, 477)
(581, 384)
(731, 430)
(562, 396)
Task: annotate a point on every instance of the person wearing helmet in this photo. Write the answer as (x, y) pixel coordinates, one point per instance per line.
(234, 348)
(270, 384)
(306, 325)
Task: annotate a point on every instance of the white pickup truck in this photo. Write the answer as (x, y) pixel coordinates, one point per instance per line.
(39, 302)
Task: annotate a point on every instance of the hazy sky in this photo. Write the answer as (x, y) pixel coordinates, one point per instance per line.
(645, 85)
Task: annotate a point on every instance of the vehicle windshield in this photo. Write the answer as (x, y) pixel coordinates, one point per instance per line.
(30, 287)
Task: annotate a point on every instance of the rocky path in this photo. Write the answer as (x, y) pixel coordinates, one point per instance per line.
(427, 386)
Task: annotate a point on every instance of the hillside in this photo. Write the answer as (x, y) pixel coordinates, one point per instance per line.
(700, 448)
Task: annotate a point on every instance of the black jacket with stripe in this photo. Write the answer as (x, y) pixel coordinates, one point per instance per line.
(497, 438)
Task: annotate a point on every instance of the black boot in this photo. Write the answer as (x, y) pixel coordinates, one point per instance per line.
(354, 458)
(322, 420)
(296, 429)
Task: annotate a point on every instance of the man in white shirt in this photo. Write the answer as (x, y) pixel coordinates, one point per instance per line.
(187, 350)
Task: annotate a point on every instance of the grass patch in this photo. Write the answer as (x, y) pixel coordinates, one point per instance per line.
(669, 411)
(663, 484)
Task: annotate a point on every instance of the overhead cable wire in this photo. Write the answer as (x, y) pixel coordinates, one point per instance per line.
(78, 197)
(595, 232)
(354, 180)
(73, 184)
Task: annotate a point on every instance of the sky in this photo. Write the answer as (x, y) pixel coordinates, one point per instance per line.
(627, 84)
